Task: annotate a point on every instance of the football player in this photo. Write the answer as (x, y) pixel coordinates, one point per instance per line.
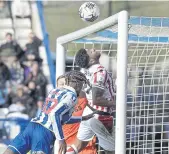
(100, 96)
(70, 130)
(41, 132)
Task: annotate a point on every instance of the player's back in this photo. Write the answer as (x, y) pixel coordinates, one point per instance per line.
(55, 99)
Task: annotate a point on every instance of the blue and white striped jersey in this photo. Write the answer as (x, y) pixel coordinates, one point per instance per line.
(57, 110)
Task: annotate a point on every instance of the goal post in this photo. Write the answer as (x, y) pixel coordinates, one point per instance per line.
(60, 52)
(120, 19)
(121, 83)
(147, 122)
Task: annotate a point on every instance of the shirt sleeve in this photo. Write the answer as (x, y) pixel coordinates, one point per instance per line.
(74, 119)
(66, 103)
(99, 78)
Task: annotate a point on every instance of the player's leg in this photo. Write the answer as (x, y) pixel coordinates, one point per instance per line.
(113, 136)
(85, 134)
(21, 143)
(42, 140)
(77, 147)
(106, 140)
(107, 121)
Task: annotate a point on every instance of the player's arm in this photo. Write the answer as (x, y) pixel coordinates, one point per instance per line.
(74, 119)
(77, 119)
(98, 89)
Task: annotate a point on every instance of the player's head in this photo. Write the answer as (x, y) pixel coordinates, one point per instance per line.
(76, 80)
(60, 81)
(87, 57)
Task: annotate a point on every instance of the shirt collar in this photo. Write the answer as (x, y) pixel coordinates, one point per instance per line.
(94, 66)
(70, 88)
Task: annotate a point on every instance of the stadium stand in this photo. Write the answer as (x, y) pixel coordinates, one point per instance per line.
(21, 96)
(5, 11)
(6, 23)
(21, 9)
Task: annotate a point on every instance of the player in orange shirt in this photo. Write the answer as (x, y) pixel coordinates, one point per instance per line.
(70, 130)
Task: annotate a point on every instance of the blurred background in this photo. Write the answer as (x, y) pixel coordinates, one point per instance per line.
(58, 14)
(28, 33)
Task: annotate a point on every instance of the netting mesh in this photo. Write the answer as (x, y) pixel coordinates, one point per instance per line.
(148, 80)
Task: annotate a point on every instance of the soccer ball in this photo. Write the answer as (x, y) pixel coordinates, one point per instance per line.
(89, 11)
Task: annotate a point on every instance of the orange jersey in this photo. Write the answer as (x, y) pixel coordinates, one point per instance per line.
(70, 130)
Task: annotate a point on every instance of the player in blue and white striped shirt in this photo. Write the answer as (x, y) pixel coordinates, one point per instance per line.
(42, 131)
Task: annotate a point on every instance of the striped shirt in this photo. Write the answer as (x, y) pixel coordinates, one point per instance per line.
(57, 110)
(99, 77)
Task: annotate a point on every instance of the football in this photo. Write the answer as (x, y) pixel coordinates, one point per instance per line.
(89, 11)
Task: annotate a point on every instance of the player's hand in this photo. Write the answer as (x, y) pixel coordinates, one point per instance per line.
(62, 147)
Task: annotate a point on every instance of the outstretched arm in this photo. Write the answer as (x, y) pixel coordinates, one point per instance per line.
(76, 119)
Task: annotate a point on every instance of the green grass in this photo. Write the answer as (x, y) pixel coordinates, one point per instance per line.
(63, 20)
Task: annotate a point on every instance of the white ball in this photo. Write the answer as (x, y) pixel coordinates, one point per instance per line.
(89, 11)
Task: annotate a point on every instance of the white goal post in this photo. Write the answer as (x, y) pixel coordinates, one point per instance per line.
(121, 19)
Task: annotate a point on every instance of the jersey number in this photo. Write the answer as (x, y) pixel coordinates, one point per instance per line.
(47, 108)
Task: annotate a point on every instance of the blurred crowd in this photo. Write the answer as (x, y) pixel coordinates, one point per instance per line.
(22, 81)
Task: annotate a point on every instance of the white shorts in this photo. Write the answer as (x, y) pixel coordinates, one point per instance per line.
(93, 127)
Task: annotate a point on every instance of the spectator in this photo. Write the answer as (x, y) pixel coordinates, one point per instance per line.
(38, 77)
(32, 48)
(26, 70)
(34, 43)
(14, 127)
(33, 95)
(14, 108)
(4, 75)
(20, 97)
(17, 74)
(4, 9)
(39, 105)
(21, 9)
(32, 91)
(4, 78)
(23, 98)
(10, 51)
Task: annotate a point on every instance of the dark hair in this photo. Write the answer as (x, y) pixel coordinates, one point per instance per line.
(10, 34)
(82, 58)
(75, 76)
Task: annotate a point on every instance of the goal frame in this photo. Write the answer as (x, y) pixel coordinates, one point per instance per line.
(121, 19)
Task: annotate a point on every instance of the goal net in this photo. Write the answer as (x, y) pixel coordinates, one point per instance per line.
(118, 21)
(147, 122)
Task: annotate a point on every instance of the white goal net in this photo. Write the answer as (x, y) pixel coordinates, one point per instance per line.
(147, 123)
